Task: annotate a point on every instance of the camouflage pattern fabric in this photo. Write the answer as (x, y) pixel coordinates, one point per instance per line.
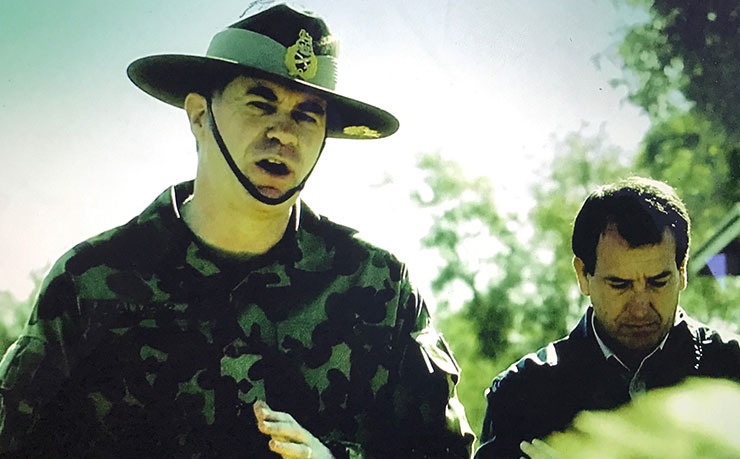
(146, 343)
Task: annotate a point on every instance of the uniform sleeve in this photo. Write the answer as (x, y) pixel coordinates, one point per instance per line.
(415, 413)
(35, 366)
(428, 414)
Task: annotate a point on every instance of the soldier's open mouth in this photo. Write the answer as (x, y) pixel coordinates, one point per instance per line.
(273, 167)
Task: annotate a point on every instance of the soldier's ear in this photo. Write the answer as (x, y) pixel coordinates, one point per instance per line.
(583, 277)
(195, 107)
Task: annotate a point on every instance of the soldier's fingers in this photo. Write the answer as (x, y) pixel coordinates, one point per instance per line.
(263, 412)
(284, 430)
(290, 450)
(261, 409)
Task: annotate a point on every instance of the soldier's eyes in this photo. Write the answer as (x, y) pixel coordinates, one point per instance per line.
(657, 284)
(302, 116)
(264, 106)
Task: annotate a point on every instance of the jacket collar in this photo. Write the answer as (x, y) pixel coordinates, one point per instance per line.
(684, 329)
(301, 246)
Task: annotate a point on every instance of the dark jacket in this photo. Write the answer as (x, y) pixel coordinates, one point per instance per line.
(543, 392)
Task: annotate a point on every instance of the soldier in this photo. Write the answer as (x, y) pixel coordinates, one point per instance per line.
(227, 319)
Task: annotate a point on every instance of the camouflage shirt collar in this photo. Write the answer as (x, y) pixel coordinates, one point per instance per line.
(176, 195)
(303, 245)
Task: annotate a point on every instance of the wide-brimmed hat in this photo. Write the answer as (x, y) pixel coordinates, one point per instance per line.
(280, 44)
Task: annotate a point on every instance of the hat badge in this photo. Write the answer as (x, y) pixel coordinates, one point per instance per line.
(300, 58)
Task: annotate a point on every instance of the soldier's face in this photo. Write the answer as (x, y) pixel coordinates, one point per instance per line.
(273, 133)
(634, 291)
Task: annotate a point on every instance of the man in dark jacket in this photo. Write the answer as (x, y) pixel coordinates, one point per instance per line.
(227, 319)
(630, 243)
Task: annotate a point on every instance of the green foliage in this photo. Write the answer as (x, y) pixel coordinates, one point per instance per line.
(13, 313)
(654, 74)
(706, 37)
(581, 164)
(714, 302)
(688, 51)
(519, 291)
(477, 369)
(463, 211)
(695, 155)
(475, 243)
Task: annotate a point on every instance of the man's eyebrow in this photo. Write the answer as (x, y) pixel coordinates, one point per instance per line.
(263, 92)
(616, 279)
(660, 276)
(657, 277)
(312, 107)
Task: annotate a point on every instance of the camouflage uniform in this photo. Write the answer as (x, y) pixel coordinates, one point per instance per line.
(145, 342)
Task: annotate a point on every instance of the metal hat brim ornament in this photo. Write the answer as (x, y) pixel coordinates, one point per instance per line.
(238, 51)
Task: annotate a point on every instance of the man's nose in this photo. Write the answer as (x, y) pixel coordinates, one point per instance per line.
(284, 130)
(639, 304)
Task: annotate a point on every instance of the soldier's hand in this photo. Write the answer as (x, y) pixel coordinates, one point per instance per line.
(538, 449)
(287, 437)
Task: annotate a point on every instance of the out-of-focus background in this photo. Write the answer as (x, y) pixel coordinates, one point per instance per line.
(511, 112)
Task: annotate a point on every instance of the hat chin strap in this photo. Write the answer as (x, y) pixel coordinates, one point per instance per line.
(246, 183)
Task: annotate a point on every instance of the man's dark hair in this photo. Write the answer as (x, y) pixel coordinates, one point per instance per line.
(640, 209)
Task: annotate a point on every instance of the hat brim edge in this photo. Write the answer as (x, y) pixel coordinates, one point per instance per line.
(170, 77)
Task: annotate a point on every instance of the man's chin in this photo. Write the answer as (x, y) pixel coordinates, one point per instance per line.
(641, 339)
(270, 192)
(276, 193)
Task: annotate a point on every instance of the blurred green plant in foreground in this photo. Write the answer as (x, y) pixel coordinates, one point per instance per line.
(699, 418)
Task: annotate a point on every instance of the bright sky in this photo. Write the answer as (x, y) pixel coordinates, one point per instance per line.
(484, 82)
